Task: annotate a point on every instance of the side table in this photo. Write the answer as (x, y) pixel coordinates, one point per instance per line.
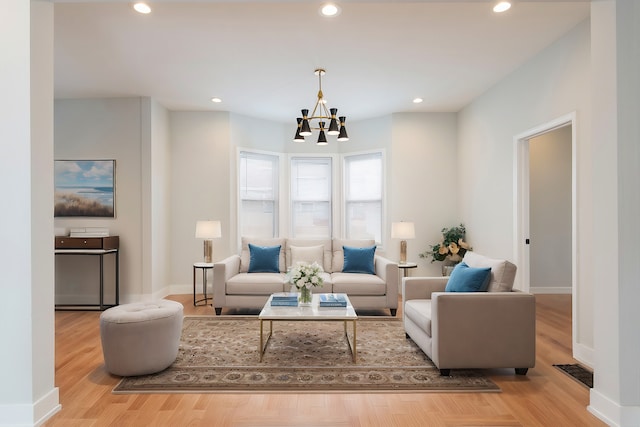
(405, 266)
(204, 266)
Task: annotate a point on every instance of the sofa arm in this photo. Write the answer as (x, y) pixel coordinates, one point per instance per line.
(388, 271)
(483, 329)
(422, 287)
(223, 271)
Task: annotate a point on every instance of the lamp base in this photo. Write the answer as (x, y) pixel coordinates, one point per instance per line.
(403, 252)
(208, 251)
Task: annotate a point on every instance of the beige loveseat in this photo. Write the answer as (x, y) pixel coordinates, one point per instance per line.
(493, 329)
(235, 287)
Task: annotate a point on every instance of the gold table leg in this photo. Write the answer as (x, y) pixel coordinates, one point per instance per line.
(352, 344)
(263, 342)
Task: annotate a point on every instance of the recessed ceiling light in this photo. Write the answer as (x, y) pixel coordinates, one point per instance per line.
(329, 10)
(502, 6)
(141, 7)
(216, 100)
(417, 100)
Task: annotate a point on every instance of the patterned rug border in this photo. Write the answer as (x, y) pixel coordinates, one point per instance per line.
(365, 378)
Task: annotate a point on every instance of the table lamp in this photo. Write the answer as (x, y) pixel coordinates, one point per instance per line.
(403, 230)
(208, 230)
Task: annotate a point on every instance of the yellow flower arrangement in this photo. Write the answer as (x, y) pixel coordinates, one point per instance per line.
(452, 246)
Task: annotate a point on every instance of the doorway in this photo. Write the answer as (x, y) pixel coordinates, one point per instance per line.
(531, 197)
(550, 212)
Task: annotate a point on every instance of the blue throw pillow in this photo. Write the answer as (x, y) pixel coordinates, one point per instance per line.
(358, 260)
(467, 279)
(264, 259)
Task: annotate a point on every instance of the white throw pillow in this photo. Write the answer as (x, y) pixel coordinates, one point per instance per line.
(308, 254)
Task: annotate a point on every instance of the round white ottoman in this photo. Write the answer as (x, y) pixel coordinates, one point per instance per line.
(140, 338)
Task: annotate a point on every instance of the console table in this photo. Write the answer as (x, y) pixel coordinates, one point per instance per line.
(92, 246)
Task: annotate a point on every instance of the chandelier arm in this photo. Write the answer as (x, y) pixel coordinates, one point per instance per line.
(315, 108)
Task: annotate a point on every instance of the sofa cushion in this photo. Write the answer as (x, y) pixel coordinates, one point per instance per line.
(327, 248)
(264, 259)
(358, 284)
(358, 260)
(467, 279)
(256, 284)
(307, 254)
(503, 273)
(419, 311)
(338, 252)
(245, 256)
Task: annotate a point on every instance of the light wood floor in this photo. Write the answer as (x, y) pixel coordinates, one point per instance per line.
(544, 397)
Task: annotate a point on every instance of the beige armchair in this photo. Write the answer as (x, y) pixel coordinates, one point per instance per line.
(462, 330)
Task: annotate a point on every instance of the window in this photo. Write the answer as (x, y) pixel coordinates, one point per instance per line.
(363, 183)
(311, 198)
(258, 181)
(321, 201)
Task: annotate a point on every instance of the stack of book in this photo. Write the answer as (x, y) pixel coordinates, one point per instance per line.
(332, 300)
(89, 232)
(285, 299)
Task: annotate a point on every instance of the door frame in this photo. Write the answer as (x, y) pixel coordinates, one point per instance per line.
(522, 204)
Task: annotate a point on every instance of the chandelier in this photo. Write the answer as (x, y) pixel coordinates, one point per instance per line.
(317, 122)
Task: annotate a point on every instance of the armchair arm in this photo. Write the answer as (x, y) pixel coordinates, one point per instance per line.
(483, 329)
(422, 287)
(388, 271)
(223, 271)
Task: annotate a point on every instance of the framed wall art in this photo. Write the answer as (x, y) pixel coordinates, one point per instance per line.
(85, 188)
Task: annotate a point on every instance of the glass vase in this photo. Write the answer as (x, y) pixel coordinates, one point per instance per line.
(305, 296)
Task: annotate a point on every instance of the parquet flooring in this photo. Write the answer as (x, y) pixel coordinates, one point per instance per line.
(544, 397)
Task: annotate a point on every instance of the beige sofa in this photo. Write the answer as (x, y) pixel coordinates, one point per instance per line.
(493, 329)
(235, 287)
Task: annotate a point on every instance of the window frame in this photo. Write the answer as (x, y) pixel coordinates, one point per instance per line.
(277, 188)
(283, 221)
(383, 199)
(332, 159)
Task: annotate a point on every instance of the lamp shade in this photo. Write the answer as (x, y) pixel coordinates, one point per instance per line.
(403, 230)
(208, 229)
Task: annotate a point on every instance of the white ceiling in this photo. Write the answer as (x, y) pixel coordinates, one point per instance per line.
(259, 56)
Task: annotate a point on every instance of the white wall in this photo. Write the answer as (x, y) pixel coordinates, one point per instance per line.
(156, 192)
(551, 85)
(550, 211)
(424, 178)
(93, 129)
(201, 158)
(615, 88)
(27, 392)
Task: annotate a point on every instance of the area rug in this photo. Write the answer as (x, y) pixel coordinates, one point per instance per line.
(220, 354)
(578, 373)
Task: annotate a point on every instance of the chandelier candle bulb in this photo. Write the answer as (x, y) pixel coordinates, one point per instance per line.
(342, 136)
(306, 129)
(333, 125)
(298, 137)
(322, 139)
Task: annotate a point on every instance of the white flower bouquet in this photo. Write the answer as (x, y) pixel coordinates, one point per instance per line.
(304, 276)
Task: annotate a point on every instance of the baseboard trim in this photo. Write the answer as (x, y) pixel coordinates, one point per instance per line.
(583, 354)
(47, 406)
(31, 415)
(550, 289)
(611, 412)
(185, 289)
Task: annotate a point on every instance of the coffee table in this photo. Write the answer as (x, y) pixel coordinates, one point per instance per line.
(314, 313)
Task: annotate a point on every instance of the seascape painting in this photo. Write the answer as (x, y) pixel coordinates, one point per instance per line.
(85, 188)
